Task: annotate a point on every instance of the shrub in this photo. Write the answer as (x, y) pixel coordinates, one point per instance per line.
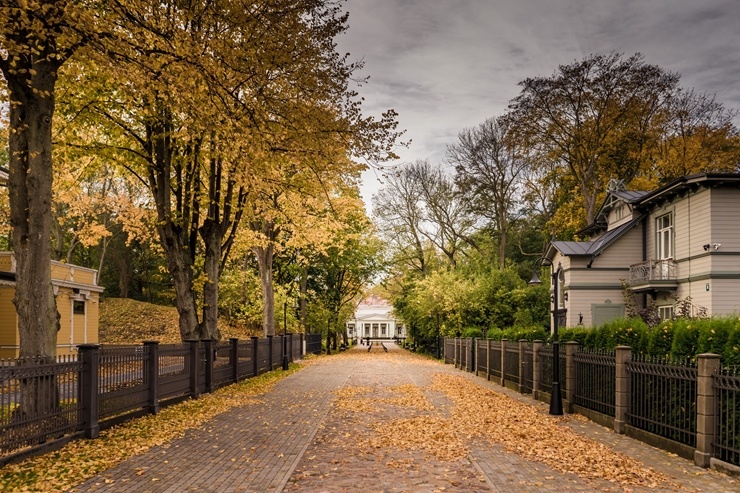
(685, 339)
(660, 339)
(577, 334)
(472, 332)
(714, 334)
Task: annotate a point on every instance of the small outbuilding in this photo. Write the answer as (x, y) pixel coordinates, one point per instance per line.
(78, 301)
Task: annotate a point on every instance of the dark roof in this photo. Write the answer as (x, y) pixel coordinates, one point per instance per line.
(684, 183)
(595, 247)
(630, 196)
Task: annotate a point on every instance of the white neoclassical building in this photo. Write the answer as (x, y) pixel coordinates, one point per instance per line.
(373, 318)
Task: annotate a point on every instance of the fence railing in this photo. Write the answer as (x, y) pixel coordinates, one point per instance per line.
(692, 409)
(653, 270)
(595, 381)
(726, 443)
(663, 398)
(313, 343)
(73, 396)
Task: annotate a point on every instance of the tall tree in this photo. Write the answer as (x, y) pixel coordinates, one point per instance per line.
(590, 111)
(398, 209)
(342, 273)
(697, 135)
(490, 171)
(37, 37)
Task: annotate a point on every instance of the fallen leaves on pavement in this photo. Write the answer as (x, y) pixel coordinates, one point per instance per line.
(526, 431)
(82, 459)
(479, 413)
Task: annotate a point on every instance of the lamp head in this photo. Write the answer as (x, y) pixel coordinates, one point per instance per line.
(535, 281)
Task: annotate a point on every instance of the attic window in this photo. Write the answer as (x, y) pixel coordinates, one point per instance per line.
(619, 212)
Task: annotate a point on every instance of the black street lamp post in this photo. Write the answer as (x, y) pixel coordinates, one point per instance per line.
(556, 401)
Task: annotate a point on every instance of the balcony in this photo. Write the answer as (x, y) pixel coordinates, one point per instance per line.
(653, 275)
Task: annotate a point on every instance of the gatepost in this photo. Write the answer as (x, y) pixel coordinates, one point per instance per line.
(622, 391)
(90, 355)
(152, 350)
(706, 407)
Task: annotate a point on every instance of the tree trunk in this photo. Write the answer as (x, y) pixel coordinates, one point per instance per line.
(123, 262)
(30, 185)
(210, 233)
(264, 261)
(180, 265)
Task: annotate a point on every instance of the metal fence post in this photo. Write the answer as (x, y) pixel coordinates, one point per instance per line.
(536, 369)
(522, 364)
(152, 372)
(706, 407)
(503, 361)
(571, 348)
(194, 367)
(303, 345)
(234, 359)
(622, 395)
(255, 353)
(90, 355)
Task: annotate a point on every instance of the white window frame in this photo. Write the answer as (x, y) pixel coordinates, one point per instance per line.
(665, 312)
(664, 237)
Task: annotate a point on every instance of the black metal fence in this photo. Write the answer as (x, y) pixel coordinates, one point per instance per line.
(313, 343)
(511, 362)
(527, 378)
(663, 398)
(727, 437)
(595, 380)
(43, 400)
(654, 400)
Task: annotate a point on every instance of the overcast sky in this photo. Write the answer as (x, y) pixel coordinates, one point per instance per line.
(445, 65)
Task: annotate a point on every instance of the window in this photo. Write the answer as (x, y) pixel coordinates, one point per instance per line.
(619, 212)
(367, 329)
(382, 329)
(665, 312)
(78, 307)
(664, 237)
(350, 328)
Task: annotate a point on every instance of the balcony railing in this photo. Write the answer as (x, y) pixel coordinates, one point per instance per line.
(653, 270)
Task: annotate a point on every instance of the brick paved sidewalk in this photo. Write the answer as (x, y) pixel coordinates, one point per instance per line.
(297, 439)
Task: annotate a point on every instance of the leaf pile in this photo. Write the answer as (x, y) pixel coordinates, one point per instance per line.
(481, 413)
(82, 459)
(535, 436)
(433, 435)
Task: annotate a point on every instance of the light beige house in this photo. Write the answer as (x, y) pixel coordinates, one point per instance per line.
(679, 242)
(374, 318)
(77, 297)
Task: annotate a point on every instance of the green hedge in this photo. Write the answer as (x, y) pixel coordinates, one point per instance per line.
(677, 339)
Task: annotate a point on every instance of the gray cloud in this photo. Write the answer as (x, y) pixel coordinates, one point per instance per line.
(448, 65)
